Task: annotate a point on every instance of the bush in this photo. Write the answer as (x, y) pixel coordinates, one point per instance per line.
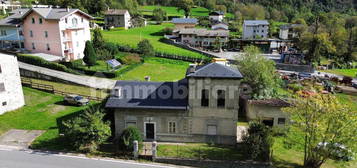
(88, 130)
(33, 60)
(112, 48)
(131, 59)
(103, 54)
(295, 87)
(146, 48)
(167, 30)
(90, 57)
(257, 143)
(126, 140)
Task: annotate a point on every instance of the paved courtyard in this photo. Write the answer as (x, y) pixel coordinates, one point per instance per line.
(19, 139)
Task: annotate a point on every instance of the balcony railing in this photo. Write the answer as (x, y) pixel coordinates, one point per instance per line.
(68, 50)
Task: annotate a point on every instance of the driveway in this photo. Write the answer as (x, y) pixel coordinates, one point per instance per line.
(89, 81)
(19, 139)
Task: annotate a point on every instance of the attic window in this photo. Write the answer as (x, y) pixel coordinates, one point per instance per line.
(40, 20)
(74, 22)
(33, 20)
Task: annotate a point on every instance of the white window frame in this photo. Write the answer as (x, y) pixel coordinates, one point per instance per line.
(172, 129)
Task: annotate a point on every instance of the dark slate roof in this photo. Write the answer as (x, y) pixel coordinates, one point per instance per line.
(255, 22)
(270, 102)
(14, 19)
(215, 70)
(115, 12)
(55, 13)
(216, 13)
(152, 98)
(185, 20)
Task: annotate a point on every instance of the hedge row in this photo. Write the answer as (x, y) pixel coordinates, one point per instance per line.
(77, 65)
(34, 60)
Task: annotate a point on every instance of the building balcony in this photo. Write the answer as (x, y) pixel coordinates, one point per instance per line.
(68, 50)
(74, 27)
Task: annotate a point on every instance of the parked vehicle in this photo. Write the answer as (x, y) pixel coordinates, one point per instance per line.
(304, 75)
(76, 100)
(354, 85)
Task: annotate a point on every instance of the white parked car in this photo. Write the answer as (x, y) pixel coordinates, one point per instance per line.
(76, 100)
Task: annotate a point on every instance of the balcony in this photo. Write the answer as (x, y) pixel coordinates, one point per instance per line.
(74, 27)
(68, 50)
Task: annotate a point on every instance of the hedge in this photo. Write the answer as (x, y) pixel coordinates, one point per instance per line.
(76, 65)
(34, 60)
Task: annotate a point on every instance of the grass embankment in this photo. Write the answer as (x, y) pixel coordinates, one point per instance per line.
(40, 112)
(199, 151)
(344, 72)
(159, 69)
(153, 33)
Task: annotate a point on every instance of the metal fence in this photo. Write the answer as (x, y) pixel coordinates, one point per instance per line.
(51, 89)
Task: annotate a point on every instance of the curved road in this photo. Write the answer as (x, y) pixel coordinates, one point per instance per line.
(31, 159)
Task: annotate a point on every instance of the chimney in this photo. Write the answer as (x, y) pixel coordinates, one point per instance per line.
(117, 92)
(192, 68)
(147, 78)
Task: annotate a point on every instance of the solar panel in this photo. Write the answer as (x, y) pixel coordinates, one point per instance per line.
(113, 63)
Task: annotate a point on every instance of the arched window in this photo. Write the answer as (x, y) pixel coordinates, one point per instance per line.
(74, 22)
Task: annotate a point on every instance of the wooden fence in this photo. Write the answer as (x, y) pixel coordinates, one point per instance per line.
(49, 88)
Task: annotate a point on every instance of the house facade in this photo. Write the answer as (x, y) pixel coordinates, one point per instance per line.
(216, 16)
(255, 29)
(287, 31)
(184, 23)
(11, 94)
(202, 37)
(268, 111)
(56, 31)
(11, 32)
(117, 18)
(203, 107)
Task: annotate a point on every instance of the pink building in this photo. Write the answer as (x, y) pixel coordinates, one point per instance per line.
(55, 31)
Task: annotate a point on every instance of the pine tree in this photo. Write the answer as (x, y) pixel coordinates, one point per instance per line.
(90, 57)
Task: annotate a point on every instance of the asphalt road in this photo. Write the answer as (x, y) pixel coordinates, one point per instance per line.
(30, 159)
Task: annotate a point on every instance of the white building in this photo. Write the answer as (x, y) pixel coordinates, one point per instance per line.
(216, 16)
(287, 31)
(255, 29)
(11, 94)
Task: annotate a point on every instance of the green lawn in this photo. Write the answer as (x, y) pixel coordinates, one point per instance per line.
(159, 69)
(39, 113)
(200, 151)
(344, 72)
(153, 33)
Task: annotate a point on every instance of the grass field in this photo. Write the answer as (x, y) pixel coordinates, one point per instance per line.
(343, 72)
(153, 33)
(74, 88)
(200, 150)
(40, 112)
(159, 69)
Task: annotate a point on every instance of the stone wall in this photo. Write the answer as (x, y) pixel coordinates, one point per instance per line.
(12, 98)
(297, 68)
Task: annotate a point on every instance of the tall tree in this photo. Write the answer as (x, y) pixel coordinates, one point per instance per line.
(90, 57)
(260, 73)
(186, 6)
(159, 15)
(326, 125)
(351, 26)
(98, 41)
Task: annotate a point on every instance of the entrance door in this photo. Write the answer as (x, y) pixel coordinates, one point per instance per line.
(150, 130)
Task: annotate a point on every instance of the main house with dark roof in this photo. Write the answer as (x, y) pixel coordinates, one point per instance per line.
(202, 107)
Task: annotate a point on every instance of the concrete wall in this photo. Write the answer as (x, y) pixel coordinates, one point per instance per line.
(266, 112)
(12, 98)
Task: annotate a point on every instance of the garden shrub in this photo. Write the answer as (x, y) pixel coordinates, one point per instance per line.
(34, 60)
(167, 30)
(126, 139)
(295, 87)
(88, 130)
(112, 48)
(258, 142)
(103, 54)
(131, 59)
(146, 48)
